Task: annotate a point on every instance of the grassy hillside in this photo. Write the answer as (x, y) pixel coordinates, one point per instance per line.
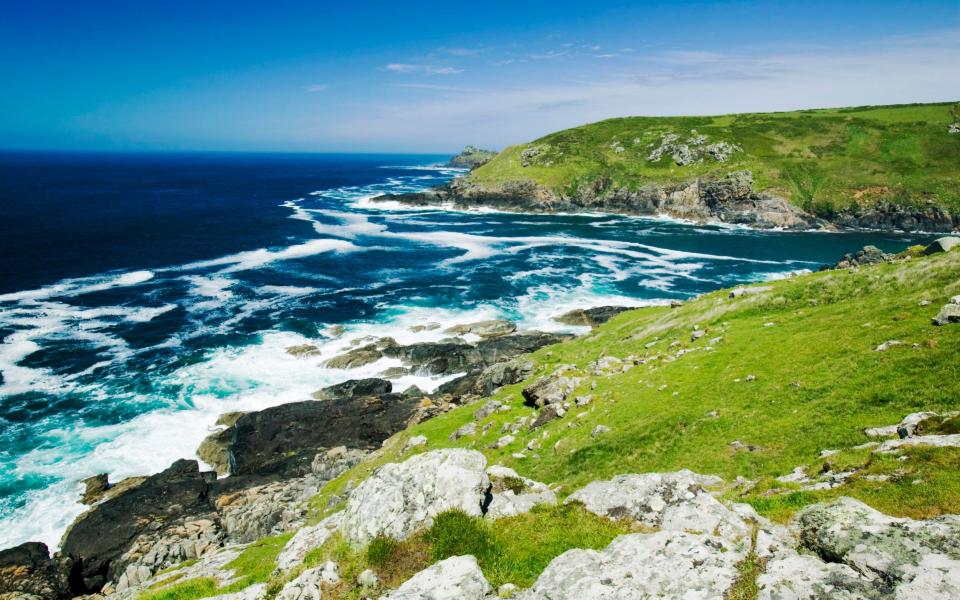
(779, 376)
(822, 160)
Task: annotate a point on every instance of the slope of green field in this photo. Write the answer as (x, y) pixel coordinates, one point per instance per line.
(822, 160)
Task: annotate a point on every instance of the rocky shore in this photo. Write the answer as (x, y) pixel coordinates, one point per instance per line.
(729, 199)
(679, 534)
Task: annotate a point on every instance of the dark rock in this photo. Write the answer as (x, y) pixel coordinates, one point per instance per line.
(285, 438)
(590, 317)
(888, 216)
(499, 349)
(869, 255)
(438, 358)
(549, 413)
(215, 450)
(29, 569)
(99, 536)
(357, 357)
(355, 387)
(461, 386)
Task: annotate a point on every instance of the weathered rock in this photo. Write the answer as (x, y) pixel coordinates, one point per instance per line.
(936, 441)
(471, 157)
(157, 548)
(501, 374)
(548, 413)
(487, 409)
(286, 438)
(513, 494)
(950, 313)
(944, 244)
(670, 501)
(668, 564)
(551, 389)
(505, 347)
(456, 578)
(400, 498)
(869, 255)
(305, 540)
(438, 358)
(909, 423)
(357, 357)
(308, 585)
(590, 317)
(484, 329)
(214, 450)
(94, 488)
(464, 431)
(793, 576)
(28, 570)
(303, 351)
(355, 387)
(912, 559)
(101, 535)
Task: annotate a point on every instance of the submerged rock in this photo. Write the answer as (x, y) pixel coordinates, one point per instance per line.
(400, 498)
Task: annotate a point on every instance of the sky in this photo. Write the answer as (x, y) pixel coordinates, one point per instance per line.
(368, 76)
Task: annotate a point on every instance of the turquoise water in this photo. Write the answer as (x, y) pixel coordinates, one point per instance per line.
(141, 296)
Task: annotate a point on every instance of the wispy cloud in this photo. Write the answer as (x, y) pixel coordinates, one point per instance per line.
(438, 88)
(515, 104)
(462, 51)
(317, 87)
(422, 69)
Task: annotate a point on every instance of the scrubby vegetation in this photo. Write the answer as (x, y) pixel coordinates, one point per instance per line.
(822, 160)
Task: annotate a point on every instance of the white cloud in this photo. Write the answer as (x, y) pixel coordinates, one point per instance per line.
(318, 87)
(897, 70)
(422, 69)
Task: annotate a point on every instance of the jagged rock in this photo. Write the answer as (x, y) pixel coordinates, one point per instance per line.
(944, 244)
(214, 450)
(400, 498)
(869, 255)
(793, 576)
(308, 585)
(548, 413)
(330, 464)
(456, 578)
(94, 488)
(28, 570)
(357, 357)
(284, 439)
(590, 317)
(668, 564)
(513, 494)
(438, 358)
(155, 549)
(912, 559)
(305, 540)
(487, 409)
(355, 387)
(551, 389)
(670, 501)
(484, 329)
(505, 347)
(501, 374)
(101, 535)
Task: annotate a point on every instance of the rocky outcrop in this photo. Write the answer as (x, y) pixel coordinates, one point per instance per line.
(309, 584)
(888, 216)
(869, 255)
(590, 317)
(28, 570)
(512, 494)
(727, 199)
(471, 157)
(456, 578)
(400, 498)
(101, 535)
(355, 387)
(283, 440)
(305, 540)
(484, 329)
(550, 389)
(668, 564)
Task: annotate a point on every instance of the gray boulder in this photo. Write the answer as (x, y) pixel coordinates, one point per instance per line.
(667, 564)
(950, 313)
(501, 374)
(552, 389)
(308, 585)
(513, 494)
(793, 576)
(400, 498)
(912, 559)
(944, 244)
(456, 578)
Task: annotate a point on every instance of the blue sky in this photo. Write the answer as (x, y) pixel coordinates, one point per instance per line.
(434, 76)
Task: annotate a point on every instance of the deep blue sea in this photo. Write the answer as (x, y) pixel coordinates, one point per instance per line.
(142, 295)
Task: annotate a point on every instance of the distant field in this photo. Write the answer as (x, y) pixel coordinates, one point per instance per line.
(823, 160)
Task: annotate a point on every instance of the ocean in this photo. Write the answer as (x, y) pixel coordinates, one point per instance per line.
(142, 295)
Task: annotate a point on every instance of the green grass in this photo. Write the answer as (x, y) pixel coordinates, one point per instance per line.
(818, 383)
(822, 160)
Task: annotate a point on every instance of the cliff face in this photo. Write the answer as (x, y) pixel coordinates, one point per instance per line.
(731, 199)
